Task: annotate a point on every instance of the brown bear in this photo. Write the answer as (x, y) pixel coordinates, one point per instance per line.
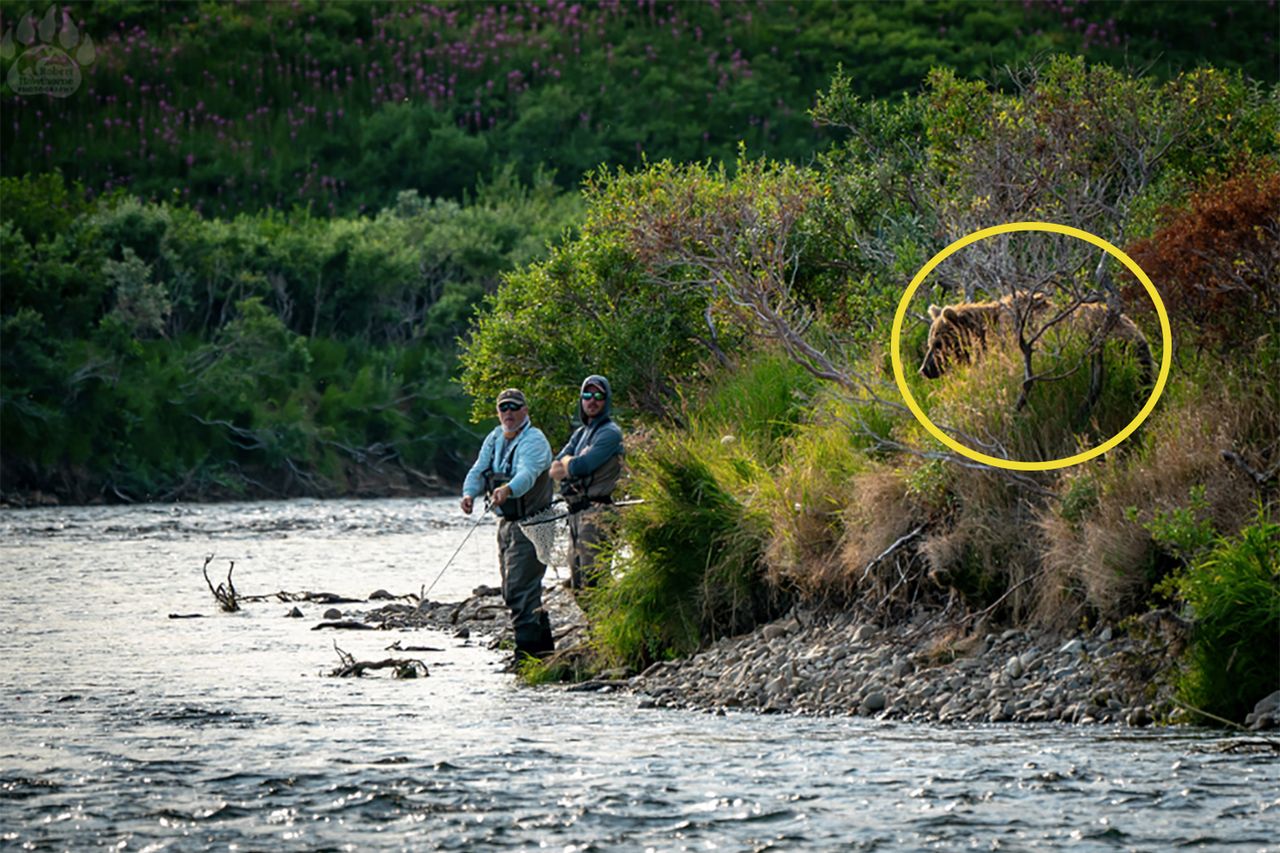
(961, 332)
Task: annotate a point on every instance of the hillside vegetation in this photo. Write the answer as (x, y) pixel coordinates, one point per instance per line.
(257, 248)
(780, 464)
(338, 106)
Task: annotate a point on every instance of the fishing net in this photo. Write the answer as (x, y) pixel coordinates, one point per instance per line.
(549, 533)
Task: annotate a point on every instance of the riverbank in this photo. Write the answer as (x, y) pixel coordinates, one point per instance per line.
(930, 669)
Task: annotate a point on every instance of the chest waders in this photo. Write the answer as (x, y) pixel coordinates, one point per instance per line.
(521, 571)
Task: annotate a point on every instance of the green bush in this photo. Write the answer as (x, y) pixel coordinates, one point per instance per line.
(687, 564)
(1234, 597)
(586, 309)
(689, 561)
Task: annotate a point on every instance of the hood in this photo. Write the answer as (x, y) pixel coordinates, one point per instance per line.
(607, 411)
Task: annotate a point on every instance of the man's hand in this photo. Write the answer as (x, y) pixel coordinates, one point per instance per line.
(500, 495)
(560, 468)
(467, 503)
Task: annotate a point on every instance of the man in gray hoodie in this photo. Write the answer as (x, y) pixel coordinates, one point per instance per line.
(588, 468)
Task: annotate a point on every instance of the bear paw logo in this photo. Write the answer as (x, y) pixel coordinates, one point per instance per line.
(46, 66)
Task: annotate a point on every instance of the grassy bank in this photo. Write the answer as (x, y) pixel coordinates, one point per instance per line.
(783, 467)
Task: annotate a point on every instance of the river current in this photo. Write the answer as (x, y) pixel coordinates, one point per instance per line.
(125, 728)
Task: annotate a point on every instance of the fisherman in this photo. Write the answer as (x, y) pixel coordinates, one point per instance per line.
(512, 471)
(588, 468)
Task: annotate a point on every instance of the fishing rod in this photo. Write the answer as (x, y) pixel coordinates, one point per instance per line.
(479, 518)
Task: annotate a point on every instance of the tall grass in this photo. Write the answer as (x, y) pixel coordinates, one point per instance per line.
(979, 401)
(983, 539)
(1097, 550)
(688, 561)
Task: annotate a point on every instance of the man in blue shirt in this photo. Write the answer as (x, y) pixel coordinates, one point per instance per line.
(588, 468)
(512, 470)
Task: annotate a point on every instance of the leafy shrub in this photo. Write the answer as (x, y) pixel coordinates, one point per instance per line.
(1217, 262)
(586, 309)
(1234, 596)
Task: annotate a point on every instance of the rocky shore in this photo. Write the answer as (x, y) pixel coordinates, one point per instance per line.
(833, 663)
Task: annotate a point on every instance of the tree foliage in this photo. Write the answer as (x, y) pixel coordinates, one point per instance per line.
(148, 351)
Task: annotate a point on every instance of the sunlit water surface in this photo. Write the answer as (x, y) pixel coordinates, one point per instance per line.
(125, 728)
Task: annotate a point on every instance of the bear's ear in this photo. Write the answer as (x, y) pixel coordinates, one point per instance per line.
(950, 314)
(934, 311)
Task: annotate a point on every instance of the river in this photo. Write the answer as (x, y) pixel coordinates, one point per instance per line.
(124, 728)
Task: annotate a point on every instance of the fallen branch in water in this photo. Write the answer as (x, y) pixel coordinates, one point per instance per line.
(396, 647)
(313, 597)
(347, 625)
(225, 593)
(401, 667)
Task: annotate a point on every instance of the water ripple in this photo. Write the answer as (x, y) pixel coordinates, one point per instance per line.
(216, 732)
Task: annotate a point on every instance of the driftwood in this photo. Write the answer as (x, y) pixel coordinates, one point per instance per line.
(396, 647)
(313, 597)
(346, 625)
(230, 600)
(401, 667)
(225, 593)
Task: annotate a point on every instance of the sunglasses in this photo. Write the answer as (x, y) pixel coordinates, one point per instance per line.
(510, 407)
(593, 395)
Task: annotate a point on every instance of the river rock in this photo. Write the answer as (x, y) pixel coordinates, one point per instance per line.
(873, 702)
(1074, 647)
(774, 631)
(380, 595)
(333, 613)
(295, 613)
(1265, 714)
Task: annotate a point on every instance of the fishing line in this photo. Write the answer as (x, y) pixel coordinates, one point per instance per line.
(479, 518)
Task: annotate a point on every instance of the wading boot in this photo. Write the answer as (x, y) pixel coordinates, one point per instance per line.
(546, 644)
(534, 642)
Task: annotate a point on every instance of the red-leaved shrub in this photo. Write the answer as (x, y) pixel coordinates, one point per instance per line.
(1216, 263)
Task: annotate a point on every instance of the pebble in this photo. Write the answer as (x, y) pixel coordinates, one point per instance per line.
(837, 663)
(819, 663)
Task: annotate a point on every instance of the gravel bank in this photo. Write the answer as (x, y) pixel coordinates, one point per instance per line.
(811, 663)
(834, 663)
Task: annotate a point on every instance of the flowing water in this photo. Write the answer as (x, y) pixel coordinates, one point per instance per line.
(125, 728)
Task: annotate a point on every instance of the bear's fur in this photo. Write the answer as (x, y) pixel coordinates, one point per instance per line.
(961, 332)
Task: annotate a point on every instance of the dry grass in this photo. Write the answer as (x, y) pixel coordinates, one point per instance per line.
(1097, 555)
(990, 545)
(878, 514)
(815, 482)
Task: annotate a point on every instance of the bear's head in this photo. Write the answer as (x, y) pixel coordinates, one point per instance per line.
(951, 335)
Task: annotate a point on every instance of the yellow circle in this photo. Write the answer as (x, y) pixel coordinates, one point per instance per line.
(899, 376)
